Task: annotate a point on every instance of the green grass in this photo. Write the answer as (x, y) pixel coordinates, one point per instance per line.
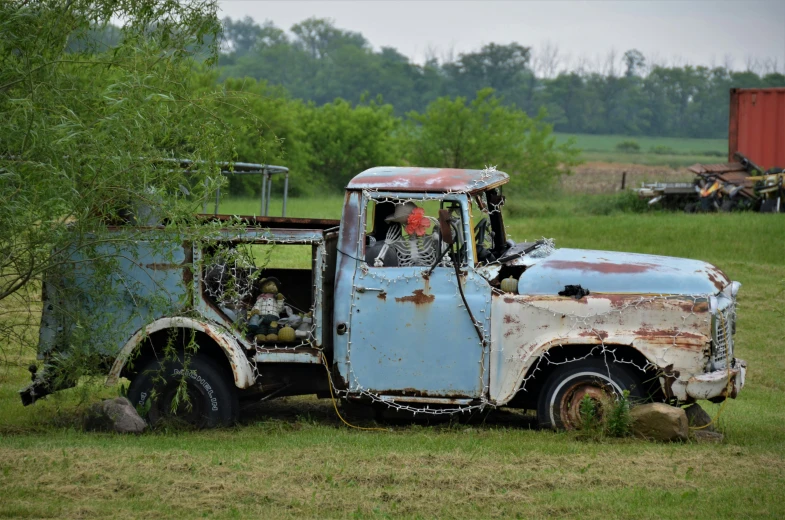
(293, 458)
(678, 151)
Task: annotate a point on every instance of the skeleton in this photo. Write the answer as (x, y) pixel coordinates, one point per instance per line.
(411, 251)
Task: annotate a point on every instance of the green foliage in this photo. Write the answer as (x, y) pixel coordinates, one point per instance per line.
(344, 140)
(452, 133)
(628, 147)
(87, 132)
(590, 415)
(619, 421)
(626, 95)
(270, 130)
(610, 418)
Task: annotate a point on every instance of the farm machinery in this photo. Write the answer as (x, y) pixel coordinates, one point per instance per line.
(733, 186)
(752, 180)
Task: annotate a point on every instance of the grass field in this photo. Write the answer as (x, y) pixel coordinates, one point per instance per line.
(294, 458)
(671, 151)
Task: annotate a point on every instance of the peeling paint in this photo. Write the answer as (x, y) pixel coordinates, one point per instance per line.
(600, 267)
(418, 297)
(427, 179)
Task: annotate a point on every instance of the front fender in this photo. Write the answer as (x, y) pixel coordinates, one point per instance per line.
(241, 368)
(525, 327)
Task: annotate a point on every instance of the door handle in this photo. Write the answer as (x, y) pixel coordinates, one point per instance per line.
(367, 289)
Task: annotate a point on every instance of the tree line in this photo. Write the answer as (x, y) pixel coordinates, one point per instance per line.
(623, 94)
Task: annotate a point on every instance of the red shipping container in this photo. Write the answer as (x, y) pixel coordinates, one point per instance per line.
(756, 126)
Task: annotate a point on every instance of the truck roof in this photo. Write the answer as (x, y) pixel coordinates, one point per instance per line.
(427, 179)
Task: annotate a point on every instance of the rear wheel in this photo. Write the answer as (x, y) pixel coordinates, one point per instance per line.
(197, 392)
(560, 398)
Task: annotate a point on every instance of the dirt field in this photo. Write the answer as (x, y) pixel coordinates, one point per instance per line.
(599, 177)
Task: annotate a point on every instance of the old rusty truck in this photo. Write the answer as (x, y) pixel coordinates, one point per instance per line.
(415, 301)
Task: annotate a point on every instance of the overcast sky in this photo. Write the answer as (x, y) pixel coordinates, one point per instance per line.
(669, 32)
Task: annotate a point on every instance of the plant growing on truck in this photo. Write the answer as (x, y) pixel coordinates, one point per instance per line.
(416, 300)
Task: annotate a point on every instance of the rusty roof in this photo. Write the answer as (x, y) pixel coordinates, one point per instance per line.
(427, 179)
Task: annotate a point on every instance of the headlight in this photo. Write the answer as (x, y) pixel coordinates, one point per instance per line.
(734, 289)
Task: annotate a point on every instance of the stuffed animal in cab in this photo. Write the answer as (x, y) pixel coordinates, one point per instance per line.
(268, 309)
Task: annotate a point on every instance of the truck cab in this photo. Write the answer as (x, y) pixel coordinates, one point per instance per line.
(417, 301)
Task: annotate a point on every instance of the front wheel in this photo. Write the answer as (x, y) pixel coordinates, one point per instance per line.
(559, 402)
(196, 392)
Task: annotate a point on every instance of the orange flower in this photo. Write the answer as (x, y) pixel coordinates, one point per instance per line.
(417, 223)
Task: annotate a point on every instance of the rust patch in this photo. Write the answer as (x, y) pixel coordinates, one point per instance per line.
(602, 267)
(618, 300)
(687, 306)
(701, 307)
(418, 297)
(508, 318)
(716, 281)
(382, 296)
(670, 333)
(413, 392)
(594, 334)
(513, 331)
(694, 307)
(425, 179)
(508, 299)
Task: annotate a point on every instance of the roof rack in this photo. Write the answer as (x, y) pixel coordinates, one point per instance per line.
(241, 168)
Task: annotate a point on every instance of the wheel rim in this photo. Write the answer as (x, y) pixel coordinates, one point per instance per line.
(599, 389)
(570, 404)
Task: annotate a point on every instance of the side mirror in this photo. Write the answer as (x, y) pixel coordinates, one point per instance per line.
(444, 226)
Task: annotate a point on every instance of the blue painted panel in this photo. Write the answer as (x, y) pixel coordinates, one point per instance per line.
(612, 272)
(147, 283)
(414, 335)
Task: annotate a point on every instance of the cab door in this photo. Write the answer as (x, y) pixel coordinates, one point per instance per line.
(410, 333)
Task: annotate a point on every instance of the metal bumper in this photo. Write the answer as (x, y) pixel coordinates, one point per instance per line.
(43, 384)
(714, 386)
(38, 389)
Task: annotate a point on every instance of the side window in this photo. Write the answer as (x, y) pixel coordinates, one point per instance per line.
(404, 233)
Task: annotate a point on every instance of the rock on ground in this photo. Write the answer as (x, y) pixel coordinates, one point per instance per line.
(660, 422)
(116, 414)
(698, 418)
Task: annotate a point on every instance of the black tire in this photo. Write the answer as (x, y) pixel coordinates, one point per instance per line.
(211, 392)
(557, 404)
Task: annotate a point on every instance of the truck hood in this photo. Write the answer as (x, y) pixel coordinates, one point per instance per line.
(611, 272)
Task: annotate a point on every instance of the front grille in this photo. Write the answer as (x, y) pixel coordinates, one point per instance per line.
(722, 337)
